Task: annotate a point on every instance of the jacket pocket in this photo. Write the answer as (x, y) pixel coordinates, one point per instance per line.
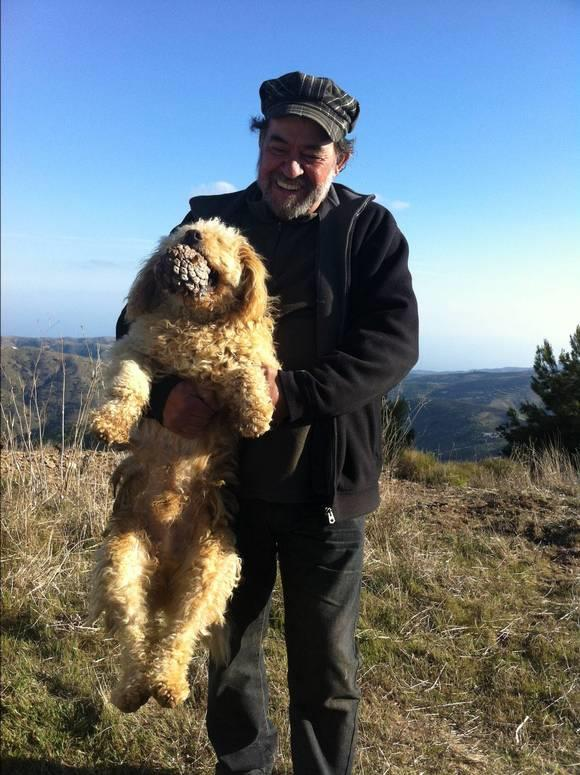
(359, 455)
(323, 450)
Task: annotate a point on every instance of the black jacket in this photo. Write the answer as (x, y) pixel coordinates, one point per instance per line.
(366, 340)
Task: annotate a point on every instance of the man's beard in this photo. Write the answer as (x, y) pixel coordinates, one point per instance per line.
(306, 199)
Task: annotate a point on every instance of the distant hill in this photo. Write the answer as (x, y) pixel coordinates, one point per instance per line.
(40, 376)
(87, 347)
(455, 413)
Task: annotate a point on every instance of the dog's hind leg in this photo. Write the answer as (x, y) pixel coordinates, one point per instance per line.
(200, 593)
(123, 575)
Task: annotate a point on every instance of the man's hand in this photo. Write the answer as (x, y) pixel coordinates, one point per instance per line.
(188, 409)
(276, 395)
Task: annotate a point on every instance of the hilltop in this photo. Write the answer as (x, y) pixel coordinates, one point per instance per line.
(468, 632)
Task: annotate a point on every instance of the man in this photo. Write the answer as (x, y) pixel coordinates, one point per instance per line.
(347, 333)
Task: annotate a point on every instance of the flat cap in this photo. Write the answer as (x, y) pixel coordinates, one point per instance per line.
(308, 96)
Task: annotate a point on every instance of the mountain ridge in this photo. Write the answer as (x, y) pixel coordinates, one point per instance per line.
(455, 413)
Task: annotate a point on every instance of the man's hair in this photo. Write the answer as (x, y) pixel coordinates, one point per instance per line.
(342, 147)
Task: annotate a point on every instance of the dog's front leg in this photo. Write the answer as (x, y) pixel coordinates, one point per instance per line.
(247, 398)
(129, 384)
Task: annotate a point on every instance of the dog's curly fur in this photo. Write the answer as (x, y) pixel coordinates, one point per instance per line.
(168, 564)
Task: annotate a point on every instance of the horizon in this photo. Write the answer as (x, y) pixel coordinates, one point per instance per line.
(468, 133)
(414, 370)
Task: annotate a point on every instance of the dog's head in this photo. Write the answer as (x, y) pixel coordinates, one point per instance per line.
(205, 271)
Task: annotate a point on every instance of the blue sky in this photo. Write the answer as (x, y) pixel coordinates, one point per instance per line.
(115, 112)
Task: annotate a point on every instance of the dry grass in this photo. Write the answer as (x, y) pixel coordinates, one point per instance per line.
(471, 607)
(546, 469)
(468, 632)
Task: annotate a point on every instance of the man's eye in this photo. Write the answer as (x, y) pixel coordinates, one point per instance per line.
(312, 158)
(278, 151)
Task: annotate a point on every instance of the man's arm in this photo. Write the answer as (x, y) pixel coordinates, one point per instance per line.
(380, 344)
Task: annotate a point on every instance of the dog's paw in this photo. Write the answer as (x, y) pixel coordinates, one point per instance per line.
(130, 697)
(111, 424)
(170, 695)
(255, 424)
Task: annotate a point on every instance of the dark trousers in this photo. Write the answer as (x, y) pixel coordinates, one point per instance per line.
(320, 568)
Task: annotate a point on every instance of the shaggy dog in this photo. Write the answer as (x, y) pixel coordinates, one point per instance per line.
(198, 309)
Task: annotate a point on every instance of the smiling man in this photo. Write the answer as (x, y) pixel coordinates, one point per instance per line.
(346, 334)
(297, 165)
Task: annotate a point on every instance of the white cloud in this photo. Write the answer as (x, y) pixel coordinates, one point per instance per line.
(392, 204)
(217, 187)
(398, 204)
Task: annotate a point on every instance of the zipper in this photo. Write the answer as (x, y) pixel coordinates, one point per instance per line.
(329, 515)
(348, 249)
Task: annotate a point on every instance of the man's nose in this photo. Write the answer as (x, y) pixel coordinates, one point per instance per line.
(292, 168)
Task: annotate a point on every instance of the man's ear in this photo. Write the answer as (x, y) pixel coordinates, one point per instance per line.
(341, 162)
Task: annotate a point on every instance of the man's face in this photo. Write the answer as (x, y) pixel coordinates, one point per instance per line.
(297, 164)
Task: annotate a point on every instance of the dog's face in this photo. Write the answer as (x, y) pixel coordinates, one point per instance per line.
(204, 271)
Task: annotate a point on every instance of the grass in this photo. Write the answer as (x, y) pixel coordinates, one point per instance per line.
(468, 632)
(483, 634)
(549, 468)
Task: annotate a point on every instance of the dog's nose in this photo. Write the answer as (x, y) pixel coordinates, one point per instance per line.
(192, 238)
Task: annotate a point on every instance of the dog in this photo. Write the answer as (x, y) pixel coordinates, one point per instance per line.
(198, 309)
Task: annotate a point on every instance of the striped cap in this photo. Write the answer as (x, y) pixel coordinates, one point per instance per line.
(319, 99)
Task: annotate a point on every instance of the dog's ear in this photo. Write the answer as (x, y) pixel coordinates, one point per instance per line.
(253, 283)
(144, 295)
